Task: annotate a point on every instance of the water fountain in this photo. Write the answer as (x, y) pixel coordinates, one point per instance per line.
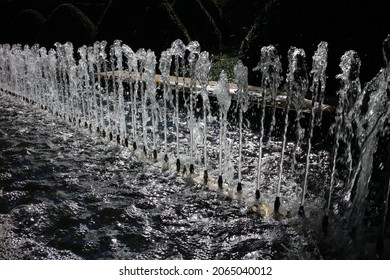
(120, 94)
(270, 68)
(318, 88)
(224, 100)
(202, 69)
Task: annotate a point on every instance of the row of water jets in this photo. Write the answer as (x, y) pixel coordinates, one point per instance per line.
(115, 93)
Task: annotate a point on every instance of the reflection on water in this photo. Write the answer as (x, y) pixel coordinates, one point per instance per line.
(67, 194)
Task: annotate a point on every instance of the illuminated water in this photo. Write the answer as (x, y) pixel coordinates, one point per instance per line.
(71, 185)
(66, 193)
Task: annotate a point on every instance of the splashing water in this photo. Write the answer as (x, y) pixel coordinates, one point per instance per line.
(194, 49)
(150, 66)
(224, 100)
(178, 51)
(202, 69)
(270, 68)
(350, 66)
(318, 71)
(165, 67)
(296, 88)
(132, 65)
(120, 96)
(241, 76)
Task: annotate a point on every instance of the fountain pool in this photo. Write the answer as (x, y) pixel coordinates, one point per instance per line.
(101, 161)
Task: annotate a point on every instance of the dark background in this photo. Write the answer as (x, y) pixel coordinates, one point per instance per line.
(238, 28)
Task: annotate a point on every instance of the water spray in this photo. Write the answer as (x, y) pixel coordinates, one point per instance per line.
(241, 78)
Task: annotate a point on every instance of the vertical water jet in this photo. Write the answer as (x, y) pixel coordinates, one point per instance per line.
(121, 112)
(194, 49)
(298, 85)
(270, 68)
(141, 57)
(150, 92)
(202, 70)
(165, 66)
(318, 71)
(224, 100)
(177, 51)
(91, 59)
(132, 66)
(296, 79)
(350, 86)
(241, 78)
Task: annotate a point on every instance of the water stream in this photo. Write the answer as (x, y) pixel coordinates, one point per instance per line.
(70, 190)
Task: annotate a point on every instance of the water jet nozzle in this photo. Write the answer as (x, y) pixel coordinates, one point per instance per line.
(155, 154)
(177, 165)
(325, 222)
(127, 142)
(239, 187)
(111, 136)
(192, 169)
(257, 194)
(301, 211)
(118, 139)
(205, 177)
(145, 152)
(85, 124)
(104, 133)
(277, 204)
(134, 146)
(166, 158)
(220, 181)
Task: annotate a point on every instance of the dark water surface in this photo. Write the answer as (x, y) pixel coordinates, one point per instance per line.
(67, 194)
